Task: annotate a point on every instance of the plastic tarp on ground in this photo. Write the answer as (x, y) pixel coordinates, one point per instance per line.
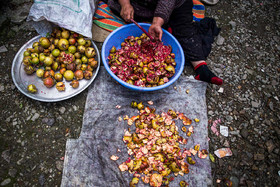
(87, 159)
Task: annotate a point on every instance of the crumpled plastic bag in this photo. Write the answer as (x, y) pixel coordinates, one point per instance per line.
(74, 15)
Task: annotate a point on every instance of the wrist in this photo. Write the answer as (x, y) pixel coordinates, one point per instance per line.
(124, 3)
(158, 21)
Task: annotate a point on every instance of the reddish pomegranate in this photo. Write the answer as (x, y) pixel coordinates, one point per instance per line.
(49, 82)
(79, 74)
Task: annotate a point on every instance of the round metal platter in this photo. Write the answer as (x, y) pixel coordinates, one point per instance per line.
(22, 80)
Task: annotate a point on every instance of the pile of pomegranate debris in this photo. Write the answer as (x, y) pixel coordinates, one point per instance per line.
(155, 147)
(63, 55)
(142, 62)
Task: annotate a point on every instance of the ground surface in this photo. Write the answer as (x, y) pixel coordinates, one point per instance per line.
(245, 55)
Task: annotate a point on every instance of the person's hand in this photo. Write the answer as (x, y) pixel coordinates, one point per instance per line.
(155, 29)
(127, 12)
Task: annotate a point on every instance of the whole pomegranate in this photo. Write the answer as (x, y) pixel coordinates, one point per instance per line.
(68, 75)
(63, 44)
(87, 74)
(65, 34)
(71, 66)
(40, 73)
(58, 77)
(90, 52)
(79, 74)
(44, 42)
(49, 82)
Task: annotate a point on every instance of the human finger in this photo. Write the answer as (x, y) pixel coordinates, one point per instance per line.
(160, 35)
(132, 14)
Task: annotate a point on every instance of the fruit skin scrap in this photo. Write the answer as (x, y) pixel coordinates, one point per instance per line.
(183, 184)
(156, 180)
(202, 154)
(185, 120)
(196, 147)
(193, 151)
(125, 117)
(129, 122)
(134, 181)
(113, 157)
(123, 167)
(190, 161)
(190, 131)
(119, 118)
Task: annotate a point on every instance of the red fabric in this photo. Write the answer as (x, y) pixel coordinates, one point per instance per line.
(169, 30)
(216, 80)
(201, 64)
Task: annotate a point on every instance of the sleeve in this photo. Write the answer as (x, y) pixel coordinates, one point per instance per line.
(164, 9)
(114, 5)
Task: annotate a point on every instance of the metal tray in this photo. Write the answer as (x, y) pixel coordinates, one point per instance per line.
(22, 80)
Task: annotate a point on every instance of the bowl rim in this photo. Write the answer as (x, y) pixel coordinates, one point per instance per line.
(138, 88)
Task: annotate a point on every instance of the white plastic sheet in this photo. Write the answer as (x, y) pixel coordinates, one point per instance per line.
(87, 159)
(74, 15)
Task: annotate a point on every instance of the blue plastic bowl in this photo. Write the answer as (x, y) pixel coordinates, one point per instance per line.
(117, 37)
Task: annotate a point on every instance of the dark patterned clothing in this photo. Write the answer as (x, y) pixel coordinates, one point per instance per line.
(196, 38)
(147, 9)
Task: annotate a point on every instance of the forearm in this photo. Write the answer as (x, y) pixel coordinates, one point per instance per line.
(124, 2)
(158, 21)
(164, 9)
(127, 11)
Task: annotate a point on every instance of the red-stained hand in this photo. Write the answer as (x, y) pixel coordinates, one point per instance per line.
(155, 29)
(127, 12)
